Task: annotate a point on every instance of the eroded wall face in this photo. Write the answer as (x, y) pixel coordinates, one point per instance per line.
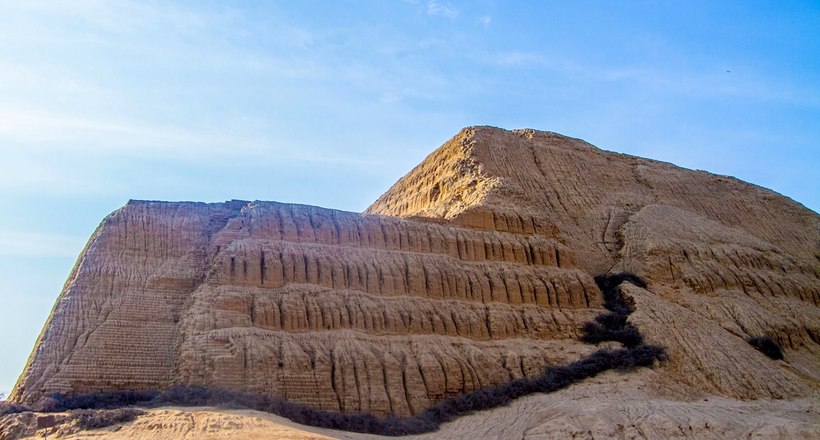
(337, 310)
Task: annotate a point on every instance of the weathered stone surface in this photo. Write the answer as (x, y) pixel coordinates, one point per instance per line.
(473, 269)
(333, 309)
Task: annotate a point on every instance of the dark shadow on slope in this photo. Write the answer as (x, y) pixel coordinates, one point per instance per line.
(101, 418)
(610, 326)
(767, 346)
(7, 407)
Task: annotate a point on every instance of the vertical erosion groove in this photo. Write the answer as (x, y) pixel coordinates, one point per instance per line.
(262, 268)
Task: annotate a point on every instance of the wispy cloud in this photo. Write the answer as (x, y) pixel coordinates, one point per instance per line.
(49, 131)
(446, 10)
(485, 20)
(38, 244)
(689, 83)
(267, 71)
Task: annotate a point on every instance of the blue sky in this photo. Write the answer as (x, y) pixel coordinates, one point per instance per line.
(329, 102)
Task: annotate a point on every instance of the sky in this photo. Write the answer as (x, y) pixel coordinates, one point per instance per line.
(330, 102)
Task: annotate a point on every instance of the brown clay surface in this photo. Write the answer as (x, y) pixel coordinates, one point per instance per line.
(473, 269)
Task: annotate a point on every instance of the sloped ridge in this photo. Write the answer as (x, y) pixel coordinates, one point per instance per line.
(737, 288)
(444, 185)
(704, 351)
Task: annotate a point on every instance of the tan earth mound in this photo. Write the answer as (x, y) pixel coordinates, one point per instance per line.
(473, 269)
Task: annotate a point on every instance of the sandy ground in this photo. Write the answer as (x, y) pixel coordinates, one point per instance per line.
(637, 406)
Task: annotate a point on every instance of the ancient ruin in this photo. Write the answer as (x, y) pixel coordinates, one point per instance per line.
(474, 269)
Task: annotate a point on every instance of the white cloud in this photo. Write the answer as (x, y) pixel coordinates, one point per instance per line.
(485, 20)
(446, 10)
